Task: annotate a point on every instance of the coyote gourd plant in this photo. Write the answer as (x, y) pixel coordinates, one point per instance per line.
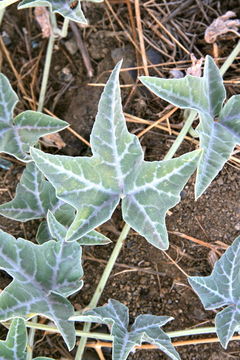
(81, 193)
(219, 127)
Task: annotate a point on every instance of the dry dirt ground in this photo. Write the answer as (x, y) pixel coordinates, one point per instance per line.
(144, 278)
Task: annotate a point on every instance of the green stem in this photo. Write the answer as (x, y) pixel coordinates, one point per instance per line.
(101, 286)
(55, 32)
(107, 337)
(46, 70)
(230, 59)
(64, 30)
(181, 135)
(30, 342)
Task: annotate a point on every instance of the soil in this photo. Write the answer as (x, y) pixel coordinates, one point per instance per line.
(144, 279)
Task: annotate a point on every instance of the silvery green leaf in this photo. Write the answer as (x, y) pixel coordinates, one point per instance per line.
(43, 234)
(13, 348)
(146, 328)
(59, 233)
(222, 288)
(43, 276)
(5, 164)
(219, 128)
(34, 197)
(18, 134)
(155, 189)
(94, 185)
(68, 9)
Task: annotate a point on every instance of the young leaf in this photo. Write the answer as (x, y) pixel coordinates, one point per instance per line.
(14, 346)
(219, 129)
(146, 328)
(69, 9)
(43, 276)
(59, 233)
(222, 288)
(34, 197)
(17, 135)
(94, 186)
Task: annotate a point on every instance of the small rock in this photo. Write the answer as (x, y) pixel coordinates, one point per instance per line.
(71, 46)
(6, 38)
(237, 226)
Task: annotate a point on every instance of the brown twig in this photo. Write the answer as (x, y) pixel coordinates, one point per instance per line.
(82, 48)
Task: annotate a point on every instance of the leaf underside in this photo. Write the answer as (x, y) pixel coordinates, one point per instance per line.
(94, 185)
(43, 276)
(18, 134)
(219, 128)
(222, 288)
(146, 328)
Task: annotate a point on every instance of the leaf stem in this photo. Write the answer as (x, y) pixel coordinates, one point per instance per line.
(230, 59)
(64, 31)
(46, 70)
(107, 337)
(181, 135)
(30, 342)
(101, 286)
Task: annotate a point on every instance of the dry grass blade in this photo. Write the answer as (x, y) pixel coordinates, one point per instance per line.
(140, 36)
(165, 117)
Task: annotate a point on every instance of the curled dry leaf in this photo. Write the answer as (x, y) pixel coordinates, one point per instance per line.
(42, 17)
(220, 26)
(195, 68)
(53, 140)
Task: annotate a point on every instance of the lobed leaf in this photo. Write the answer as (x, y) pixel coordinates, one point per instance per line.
(17, 135)
(146, 328)
(222, 288)
(59, 233)
(219, 128)
(95, 185)
(43, 276)
(13, 348)
(34, 197)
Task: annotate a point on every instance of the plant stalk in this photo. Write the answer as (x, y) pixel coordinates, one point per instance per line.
(107, 337)
(46, 70)
(30, 342)
(230, 59)
(187, 125)
(64, 30)
(101, 286)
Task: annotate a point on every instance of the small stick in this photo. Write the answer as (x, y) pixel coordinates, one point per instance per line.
(140, 36)
(164, 117)
(82, 48)
(167, 32)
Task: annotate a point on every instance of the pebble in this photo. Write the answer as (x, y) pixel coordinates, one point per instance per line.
(71, 46)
